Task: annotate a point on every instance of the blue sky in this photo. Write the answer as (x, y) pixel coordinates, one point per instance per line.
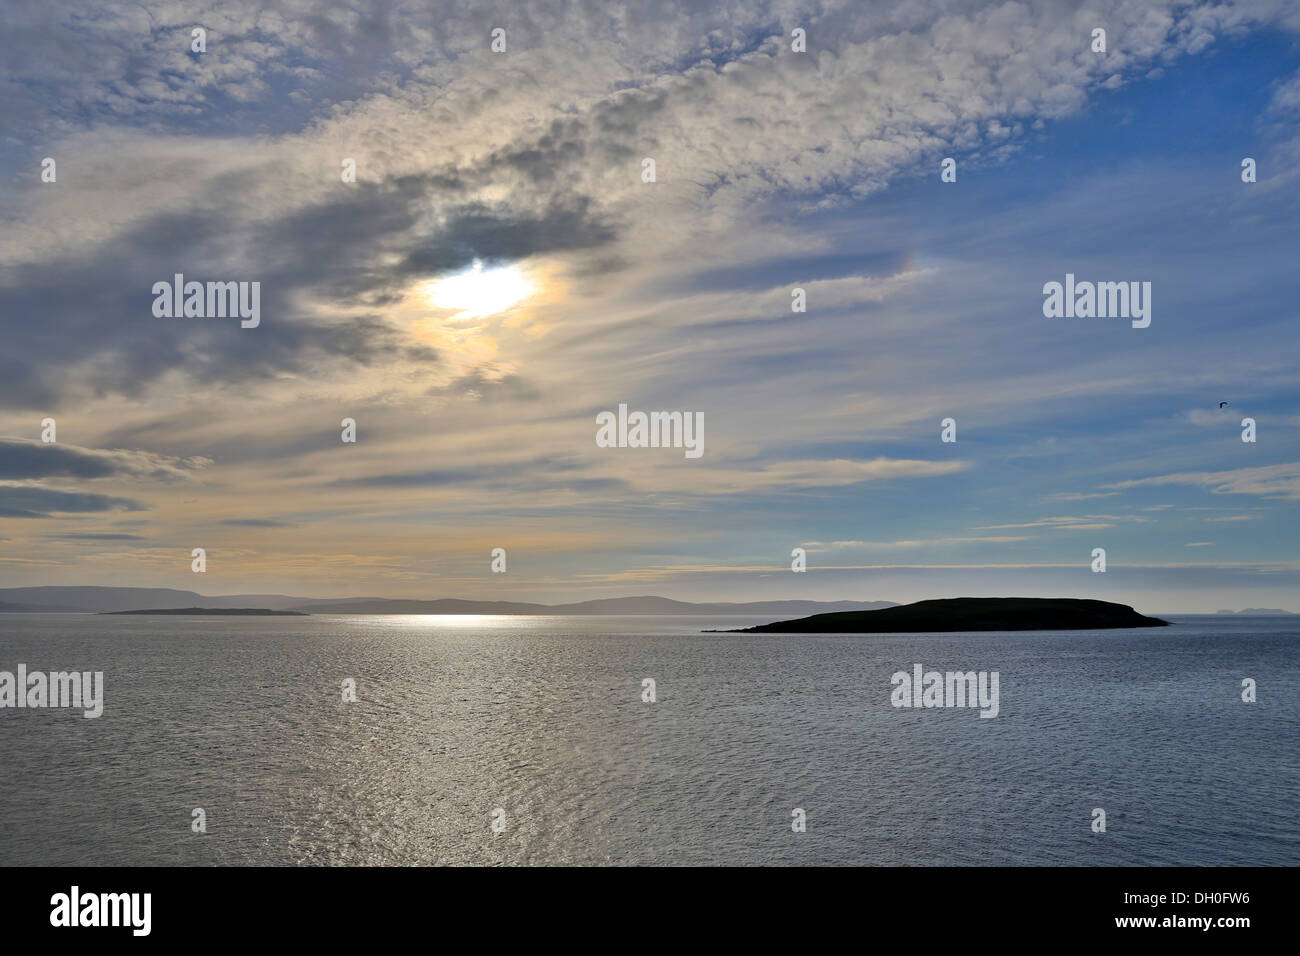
(775, 170)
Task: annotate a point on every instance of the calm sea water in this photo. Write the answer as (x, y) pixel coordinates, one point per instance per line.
(543, 718)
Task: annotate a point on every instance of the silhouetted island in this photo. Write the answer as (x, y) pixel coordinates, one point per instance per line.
(251, 611)
(969, 614)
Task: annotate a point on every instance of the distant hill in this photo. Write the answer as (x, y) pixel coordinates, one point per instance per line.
(628, 605)
(1261, 612)
(972, 614)
(110, 599)
(99, 599)
(200, 611)
(11, 606)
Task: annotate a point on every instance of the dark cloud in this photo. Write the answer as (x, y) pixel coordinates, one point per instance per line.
(422, 479)
(26, 460)
(508, 388)
(254, 523)
(88, 322)
(25, 501)
(95, 322)
(22, 460)
(479, 231)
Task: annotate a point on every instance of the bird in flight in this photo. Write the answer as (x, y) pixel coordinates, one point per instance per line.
(1221, 404)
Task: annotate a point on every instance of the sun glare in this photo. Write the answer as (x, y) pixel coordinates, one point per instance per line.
(479, 292)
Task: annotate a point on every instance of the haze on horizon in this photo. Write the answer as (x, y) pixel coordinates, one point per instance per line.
(499, 274)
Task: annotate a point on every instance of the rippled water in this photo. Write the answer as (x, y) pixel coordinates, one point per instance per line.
(543, 718)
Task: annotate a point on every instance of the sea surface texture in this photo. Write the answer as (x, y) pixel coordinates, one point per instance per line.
(526, 740)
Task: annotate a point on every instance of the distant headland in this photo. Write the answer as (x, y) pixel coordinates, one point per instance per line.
(970, 614)
(171, 601)
(1260, 612)
(249, 611)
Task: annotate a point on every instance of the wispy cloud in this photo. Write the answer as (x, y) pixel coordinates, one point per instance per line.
(1268, 481)
(1071, 523)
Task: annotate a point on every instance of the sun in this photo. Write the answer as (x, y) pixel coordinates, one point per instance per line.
(479, 292)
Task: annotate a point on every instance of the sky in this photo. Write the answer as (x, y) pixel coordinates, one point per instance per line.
(500, 273)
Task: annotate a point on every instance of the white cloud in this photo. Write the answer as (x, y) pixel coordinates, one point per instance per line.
(1268, 481)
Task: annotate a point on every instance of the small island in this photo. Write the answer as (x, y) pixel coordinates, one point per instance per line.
(251, 611)
(968, 614)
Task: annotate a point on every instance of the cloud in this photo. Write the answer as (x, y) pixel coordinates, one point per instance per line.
(919, 542)
(1286, 98)
(791, 475)
(25, 501)
(482, 385)
(1267, 481)
(775, 169)
(25, 460)
(464, 154)
(1208, 418)
(1083, 523)
(1078, 496)
(652, 472)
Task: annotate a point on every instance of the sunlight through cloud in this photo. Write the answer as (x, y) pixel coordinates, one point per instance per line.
(479, 292)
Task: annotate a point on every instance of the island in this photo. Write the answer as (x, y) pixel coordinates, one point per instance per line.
(253, 611)
(968, 614)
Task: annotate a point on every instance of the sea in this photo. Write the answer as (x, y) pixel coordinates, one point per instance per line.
(509, 741)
